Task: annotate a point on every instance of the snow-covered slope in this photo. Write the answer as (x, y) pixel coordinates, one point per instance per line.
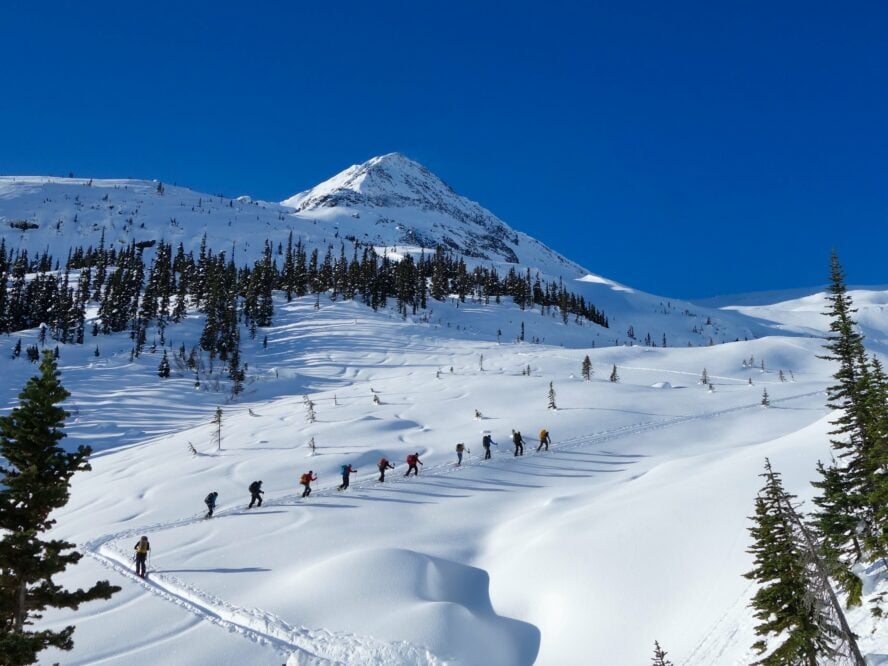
(804, 315)
(389, 202)
(630, 529)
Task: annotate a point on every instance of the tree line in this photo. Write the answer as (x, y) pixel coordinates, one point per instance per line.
(133, 294)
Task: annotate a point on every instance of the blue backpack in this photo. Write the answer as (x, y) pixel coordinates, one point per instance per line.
(344, 469)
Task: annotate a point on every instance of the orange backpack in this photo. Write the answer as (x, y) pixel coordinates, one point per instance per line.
(305, 479)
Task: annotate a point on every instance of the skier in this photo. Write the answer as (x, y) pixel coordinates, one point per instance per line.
(383, 465)
(412, 462)
(518, 442)
(256, 493)
(142, 549)
(347, 471)
(544, 439)
(305, 480)
(486, 441)
(460, 449)
(210, 501)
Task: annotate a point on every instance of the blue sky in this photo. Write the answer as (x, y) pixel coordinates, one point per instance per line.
(687, 149)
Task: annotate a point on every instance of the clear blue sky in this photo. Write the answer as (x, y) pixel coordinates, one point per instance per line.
(684, 148)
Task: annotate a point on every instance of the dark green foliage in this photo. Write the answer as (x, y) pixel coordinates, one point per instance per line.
(163, 370)
(35, 481)
(785, 604)
(552, 404)
(837, 521)
(586, 369)
(852, 516)
(614, 377)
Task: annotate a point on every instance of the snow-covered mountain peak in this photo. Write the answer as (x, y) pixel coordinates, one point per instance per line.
(386, 181)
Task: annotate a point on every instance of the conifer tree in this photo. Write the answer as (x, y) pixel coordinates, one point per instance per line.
(586, 370)
(659, 658)
(855, 438)
(704, 378)
(34, 480)
(766, 399)
(310, 414)
(552, 404)
(614, 377)
(786, 605)
(163, 370)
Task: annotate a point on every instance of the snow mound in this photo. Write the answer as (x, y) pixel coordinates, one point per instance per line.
(662, 385)
(416, 597)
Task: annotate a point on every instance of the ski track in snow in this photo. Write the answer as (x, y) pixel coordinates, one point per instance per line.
(320, 647)
(302, 646)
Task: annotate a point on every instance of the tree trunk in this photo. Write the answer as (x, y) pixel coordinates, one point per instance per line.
(20, 611)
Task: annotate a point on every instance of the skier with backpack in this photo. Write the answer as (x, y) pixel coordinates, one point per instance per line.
(518, 442)
(383, 465)
(256, 493)
(305, 480)
(142, 549)
(486, 441)
(544, 439)
(412, 462)
(346, 471)
(210, 501)
(460, 449)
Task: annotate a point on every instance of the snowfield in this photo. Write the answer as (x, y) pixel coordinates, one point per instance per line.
(631, 528)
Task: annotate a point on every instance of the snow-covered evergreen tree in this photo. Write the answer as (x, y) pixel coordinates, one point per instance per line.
(163, 370)
(786, 604)
(35, 478)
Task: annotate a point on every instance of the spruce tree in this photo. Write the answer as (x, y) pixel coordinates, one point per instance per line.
(766, 399)
(163, 370)
(552, 404)
(786, 604)
(586, 370)
(310, 414)
(614, 377)
(659, 658)
(35, 480)
(856, 439)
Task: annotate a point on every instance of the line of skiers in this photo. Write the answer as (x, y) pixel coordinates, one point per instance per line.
(413, 465)
(142, 547)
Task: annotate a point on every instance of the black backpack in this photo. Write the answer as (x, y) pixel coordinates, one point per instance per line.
(254, 487)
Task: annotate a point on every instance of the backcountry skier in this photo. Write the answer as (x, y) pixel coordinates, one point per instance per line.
(142, 549)
(305, 480)
(383, 465)
(210, 501)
